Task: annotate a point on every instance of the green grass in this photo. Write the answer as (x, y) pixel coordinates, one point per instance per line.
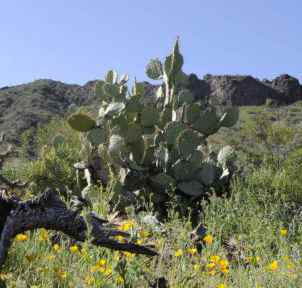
(257, 229)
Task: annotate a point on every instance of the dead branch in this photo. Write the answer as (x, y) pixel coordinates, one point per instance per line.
(50, 212)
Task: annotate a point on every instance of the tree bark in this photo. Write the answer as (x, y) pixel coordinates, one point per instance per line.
(50, 212)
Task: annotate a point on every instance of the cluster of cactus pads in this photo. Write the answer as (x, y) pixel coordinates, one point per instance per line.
(157, 146)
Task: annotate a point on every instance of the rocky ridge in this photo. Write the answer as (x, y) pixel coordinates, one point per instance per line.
(29, 105)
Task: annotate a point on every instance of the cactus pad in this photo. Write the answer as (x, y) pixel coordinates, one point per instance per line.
(191, 188)
(154, 69)
(81, 122)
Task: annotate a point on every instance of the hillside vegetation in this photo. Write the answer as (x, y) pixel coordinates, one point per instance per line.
(248, 236)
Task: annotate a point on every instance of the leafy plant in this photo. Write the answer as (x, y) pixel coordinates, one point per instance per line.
(155, 146)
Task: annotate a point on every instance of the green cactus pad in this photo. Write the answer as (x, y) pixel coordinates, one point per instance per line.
(116, 145)
(111, 77)
(134, 105)
(191, 113)
(149, 116)
(183, 170)
(229, 117)
(163, 180)
(165, 117)
(114, 109)
(96, 136)
(182, 79)
(184, 96)
(134, 133)
(149, 158)
(174, 62)
(196, 159)
(187, 142)
(81, 122)
(172, 130)
(99, 91)
(207, 123)
(124, 79)
(137, 149)
(148, 130)
(191, 188)
(207, 174)
(138, 88)
(154, 69)
(111, 91)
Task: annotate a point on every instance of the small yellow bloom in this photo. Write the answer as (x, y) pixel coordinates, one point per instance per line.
(61, 274)
(178, 253)
(74, 249)
(120, 280)
(196, 267)
(102, 262)
(127, 225)
(50, 257)
(283, 232)
(22, 237)
(143, 233)
(214, 258)
(120, 238)
(208, 239)
(56, 247)
(139, 242)
(211, 266)
(128, 255)
(221, 286)
(273, 266)
(43, 235)
(89, 280)
(192, 250)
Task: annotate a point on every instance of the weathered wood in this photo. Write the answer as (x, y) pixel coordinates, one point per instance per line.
(50, 212)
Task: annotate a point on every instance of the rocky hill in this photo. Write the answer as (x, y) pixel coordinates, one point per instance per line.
(28, 105)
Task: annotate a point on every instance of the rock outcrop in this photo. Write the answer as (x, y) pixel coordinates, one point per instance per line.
(246, 90)
(29, 105)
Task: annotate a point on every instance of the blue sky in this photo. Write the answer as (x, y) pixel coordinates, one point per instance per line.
(79, 40)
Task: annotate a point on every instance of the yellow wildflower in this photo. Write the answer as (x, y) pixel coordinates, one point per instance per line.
(50, 257)
(221, 285)
(283, 232)
(102, 262)
(273, 266)
(120, 280)
(43, 235)
(61, 275)
(22, 237)
(139, 242)
(178, 253)
(192, 250)
(120, 238)
(127, 225)
(94, 269)
(143, 233)
(56, 247)
(214, 258)
(89, 280)
(211, 266)
(196, 267)
(224, 266)
(74, 249)
(208, 239)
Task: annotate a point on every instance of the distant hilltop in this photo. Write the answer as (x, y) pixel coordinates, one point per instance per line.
(28, 105)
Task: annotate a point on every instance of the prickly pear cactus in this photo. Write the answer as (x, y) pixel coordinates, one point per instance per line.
(158, 148)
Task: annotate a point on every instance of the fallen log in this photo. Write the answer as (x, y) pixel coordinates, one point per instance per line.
(49, 212)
